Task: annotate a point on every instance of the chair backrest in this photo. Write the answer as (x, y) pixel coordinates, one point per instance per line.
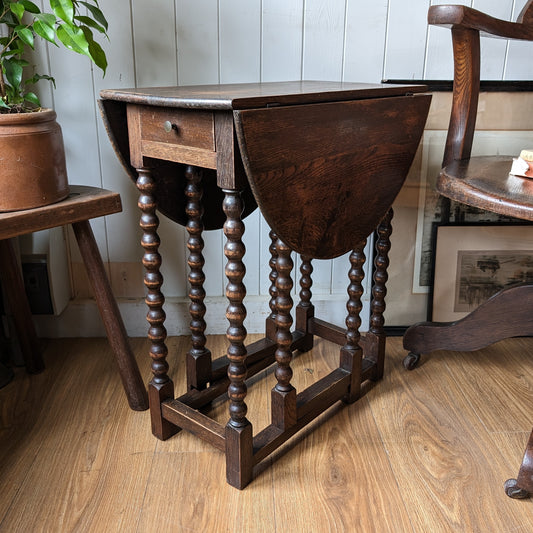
(526, 15)
(466, 25)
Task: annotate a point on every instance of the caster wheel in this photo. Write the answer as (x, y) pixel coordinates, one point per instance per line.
(411, 361)
(514, 491)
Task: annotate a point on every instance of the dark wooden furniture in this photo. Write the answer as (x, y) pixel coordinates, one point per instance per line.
(83, 204)
(324, 162)
(482, 182)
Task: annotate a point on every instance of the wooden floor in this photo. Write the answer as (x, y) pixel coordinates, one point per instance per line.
(422, 451)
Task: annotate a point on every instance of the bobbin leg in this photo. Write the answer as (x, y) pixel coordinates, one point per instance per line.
(198, 357)
(160, 387)
(376, 338)
(284, 413)
(351, 352)
(270, 326)
(239, 445)
(305, 309)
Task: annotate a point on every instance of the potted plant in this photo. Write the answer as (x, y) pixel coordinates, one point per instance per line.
(32, 169)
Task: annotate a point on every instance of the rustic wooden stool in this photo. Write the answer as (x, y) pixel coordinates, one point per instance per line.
(324, 162)
(82, 204)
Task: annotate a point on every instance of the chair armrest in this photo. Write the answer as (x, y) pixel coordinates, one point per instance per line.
(466, 17)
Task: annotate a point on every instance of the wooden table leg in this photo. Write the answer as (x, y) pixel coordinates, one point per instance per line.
(270, 325)
(239, 432)
(13, 286)
(161, 387)
(351, 353)
(376, 338)
(116, 332)
(198, 357)
(284, 411)
(305, 310)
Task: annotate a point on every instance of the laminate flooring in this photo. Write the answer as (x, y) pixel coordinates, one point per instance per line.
(425, 451)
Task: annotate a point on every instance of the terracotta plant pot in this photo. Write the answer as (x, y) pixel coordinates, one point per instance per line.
(32, 161)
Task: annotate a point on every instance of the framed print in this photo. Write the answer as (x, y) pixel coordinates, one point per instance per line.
(474, 262)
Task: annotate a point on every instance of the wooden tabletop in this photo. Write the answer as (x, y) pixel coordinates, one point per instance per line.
(83, 203)
(254, 95)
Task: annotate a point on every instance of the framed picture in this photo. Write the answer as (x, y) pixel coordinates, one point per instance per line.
(473, 262)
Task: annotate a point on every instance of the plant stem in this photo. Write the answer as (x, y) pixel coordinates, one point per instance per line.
(2, 85)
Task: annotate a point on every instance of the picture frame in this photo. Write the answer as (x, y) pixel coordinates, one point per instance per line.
(474, 262)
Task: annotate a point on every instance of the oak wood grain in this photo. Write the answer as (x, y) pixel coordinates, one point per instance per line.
(312, 167)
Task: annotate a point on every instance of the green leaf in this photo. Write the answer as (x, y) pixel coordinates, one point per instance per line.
(3, 104)
(63, 9)
(44, 31)
(9, 19)
(30, 6)
(73, 39)
(96, 13)
(25, 34)
(13, 72)
(36, 77)
(16, 49)
(46, 18)
(90, 22)
(17, 9)
(32, 98)
(98, 55)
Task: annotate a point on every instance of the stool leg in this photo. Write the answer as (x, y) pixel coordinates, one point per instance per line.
(160, 387)
(198, 357)
(239, 445)
(351, 352)
(284, 413)
(376, 338)
(109, 311)
(13, 287)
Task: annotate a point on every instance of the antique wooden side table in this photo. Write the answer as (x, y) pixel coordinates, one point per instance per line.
(324, 162)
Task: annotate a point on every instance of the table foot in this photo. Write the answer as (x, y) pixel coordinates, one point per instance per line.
(239, 455)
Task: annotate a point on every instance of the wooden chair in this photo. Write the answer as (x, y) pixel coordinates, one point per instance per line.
(482, 182)
(83, 204)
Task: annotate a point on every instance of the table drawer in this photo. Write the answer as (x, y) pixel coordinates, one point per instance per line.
(181, 127)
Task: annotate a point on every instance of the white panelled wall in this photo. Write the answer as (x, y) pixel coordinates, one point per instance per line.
(169, 42)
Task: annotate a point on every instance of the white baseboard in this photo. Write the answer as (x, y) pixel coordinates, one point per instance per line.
(81, 317)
